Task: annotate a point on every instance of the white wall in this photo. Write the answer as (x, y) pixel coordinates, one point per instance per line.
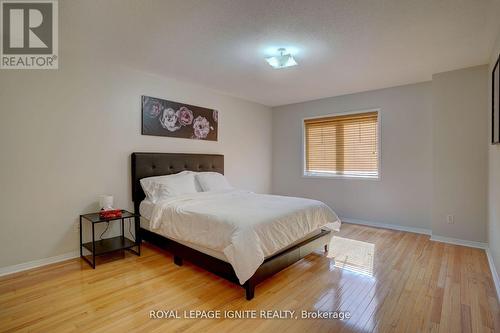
(433, 156)
(494, 177)
(460, 157)
(66, 136)
(403, 195)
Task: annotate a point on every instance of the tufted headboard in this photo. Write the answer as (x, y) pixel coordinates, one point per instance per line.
(158, 164)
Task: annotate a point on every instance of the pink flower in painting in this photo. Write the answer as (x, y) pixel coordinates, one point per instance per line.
(155, 110)
(152, 106)
(201, 127)
(185, 116)
(169, 120)
(215, 115)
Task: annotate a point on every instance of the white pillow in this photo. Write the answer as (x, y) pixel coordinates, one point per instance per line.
(160, 187)
(212, 181)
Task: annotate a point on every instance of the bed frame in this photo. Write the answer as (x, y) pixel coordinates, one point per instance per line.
(157, 164)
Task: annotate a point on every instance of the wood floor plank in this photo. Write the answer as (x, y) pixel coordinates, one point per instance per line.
(410, 284)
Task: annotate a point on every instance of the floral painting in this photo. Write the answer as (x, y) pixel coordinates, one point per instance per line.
(166, 118)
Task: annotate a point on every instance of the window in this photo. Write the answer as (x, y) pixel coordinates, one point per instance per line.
(342, 146)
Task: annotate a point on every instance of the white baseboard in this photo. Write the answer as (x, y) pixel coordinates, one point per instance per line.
(387, 226)
(70, 255)
(417, 230)
(462, 242)
(37, 263)
(436, 238)
(494, 272)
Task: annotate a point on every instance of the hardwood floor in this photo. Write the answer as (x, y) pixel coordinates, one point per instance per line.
(403, 283)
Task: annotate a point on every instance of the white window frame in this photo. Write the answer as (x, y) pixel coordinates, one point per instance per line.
(332, 175)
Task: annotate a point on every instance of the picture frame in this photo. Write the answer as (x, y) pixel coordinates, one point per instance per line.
(162, 117)
(495, 103)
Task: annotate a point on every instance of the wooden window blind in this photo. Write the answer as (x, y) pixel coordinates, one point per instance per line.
(342, 145)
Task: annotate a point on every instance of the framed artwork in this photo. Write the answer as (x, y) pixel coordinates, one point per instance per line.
(178, 120)
(495, 103)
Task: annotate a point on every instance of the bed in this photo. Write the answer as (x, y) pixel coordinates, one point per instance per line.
(162, 225)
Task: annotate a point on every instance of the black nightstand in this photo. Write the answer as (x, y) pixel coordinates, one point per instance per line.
(102, 246)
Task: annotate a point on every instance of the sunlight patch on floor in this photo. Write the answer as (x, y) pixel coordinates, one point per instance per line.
(352, 255)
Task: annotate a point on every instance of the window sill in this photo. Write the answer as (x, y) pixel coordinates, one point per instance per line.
(333, 176)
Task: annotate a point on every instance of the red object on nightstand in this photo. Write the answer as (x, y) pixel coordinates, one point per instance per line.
(110, 214)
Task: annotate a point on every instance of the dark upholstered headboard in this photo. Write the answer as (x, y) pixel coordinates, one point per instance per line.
(159, 164)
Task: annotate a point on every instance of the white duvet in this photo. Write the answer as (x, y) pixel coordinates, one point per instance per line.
(244, 225)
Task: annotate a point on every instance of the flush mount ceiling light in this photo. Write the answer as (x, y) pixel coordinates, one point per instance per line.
(283, 60)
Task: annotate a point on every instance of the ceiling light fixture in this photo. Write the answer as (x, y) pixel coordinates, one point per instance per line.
(283, 60)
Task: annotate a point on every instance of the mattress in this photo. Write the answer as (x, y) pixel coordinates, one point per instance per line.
(247, 227)
(146, 208)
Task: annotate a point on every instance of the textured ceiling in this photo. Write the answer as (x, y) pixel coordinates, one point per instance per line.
(341, 46)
